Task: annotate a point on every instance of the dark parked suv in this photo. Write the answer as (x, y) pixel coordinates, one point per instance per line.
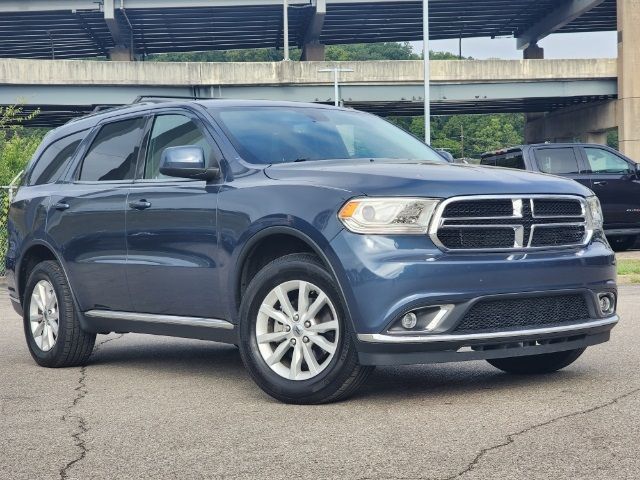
(613, 177)
(321, 241)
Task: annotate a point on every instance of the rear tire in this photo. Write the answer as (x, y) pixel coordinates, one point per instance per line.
(622, 244)
(51, 325)
(537, 364)
(293, 352)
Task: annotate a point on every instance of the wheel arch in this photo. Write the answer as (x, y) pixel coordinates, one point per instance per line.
(295, 241)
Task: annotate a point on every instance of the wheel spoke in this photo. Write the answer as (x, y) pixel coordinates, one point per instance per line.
(278, 353)
(324, 327)
(285, 304)
(53, 324)
(36, 296)
(39, 329)
(296, 362)
(272, 337)
(303, 298)
(51, 300)
(316, 306)
(50, 338)
(323, 343)
(44, 339)
(42, 294)
(278, 316)
(310, 358)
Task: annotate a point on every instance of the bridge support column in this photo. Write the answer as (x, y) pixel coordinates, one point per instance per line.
(629, 78)
(588, 123)
(312, 49)
(532, 52)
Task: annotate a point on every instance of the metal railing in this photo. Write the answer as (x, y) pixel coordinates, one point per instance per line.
(6, 195)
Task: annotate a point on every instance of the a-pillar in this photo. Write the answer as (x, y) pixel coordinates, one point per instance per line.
(629, 78)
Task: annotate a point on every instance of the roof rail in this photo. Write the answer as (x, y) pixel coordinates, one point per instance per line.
(164, 98)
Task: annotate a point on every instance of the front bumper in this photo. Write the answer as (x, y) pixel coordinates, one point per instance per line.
(390, 350)
(386, 277)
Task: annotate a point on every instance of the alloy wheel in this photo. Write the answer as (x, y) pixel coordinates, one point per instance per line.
(297, 330)
(44, 316)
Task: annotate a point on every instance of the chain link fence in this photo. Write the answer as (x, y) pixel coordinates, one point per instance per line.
(5, 200)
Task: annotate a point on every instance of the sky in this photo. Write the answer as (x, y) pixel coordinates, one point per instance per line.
(561, 45)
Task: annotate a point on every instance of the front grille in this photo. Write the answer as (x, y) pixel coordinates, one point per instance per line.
(522, 313)
(510, 223)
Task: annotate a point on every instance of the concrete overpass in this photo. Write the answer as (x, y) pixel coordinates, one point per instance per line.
(65, 88)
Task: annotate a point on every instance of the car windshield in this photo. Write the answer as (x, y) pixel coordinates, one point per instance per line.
(266, 135)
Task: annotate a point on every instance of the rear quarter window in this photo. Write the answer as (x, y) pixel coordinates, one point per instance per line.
(54, 159)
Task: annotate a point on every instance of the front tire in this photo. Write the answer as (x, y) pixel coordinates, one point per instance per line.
(295, 339)
(622, 244)
(51, 326)
(537, 364)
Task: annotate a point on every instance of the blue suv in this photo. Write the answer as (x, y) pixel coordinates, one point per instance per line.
(321, 241)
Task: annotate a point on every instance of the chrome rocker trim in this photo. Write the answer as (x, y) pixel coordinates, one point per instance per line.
(382, 338)
(162, 319)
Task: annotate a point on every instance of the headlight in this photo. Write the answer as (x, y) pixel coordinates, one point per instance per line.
(382, 216)
(594, 213)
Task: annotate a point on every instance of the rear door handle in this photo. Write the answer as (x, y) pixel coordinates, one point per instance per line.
(600, 184)
(140, 205)
(61, 206)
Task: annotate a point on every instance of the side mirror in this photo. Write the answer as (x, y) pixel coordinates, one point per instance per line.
(186, 162)
(446, 155)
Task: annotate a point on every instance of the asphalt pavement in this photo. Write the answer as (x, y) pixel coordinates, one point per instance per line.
(157, 407)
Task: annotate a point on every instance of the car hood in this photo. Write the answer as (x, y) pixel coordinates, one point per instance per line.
(426, 179)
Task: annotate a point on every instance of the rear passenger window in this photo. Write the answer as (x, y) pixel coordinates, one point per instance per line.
(557, 161)
(114, 152)
(55, 159)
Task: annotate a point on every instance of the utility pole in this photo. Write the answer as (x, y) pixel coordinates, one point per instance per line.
(462, 140)
(336, 81)
(285, 21)
(427, 72)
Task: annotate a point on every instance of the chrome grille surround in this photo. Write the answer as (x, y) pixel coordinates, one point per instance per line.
(523, 222)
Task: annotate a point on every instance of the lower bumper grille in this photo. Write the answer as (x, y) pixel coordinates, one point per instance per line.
(495, 315)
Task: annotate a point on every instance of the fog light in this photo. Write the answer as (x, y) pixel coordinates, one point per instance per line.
(607, 303)
(410, 320)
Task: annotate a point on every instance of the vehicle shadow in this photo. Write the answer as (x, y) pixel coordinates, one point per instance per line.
(215, 362)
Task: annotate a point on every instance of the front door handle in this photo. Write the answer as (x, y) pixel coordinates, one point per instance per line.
(600, 183)
(140, 205)
(61, 206)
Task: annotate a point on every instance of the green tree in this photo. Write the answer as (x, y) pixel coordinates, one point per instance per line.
(333, 53)
(17, 143)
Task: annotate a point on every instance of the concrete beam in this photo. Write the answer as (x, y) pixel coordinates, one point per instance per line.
(59, 5)
(557, 19)
(78, 72)
(312, 49)
(587, 122)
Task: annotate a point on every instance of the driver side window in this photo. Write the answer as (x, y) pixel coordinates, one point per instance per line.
(603, 161)
(173, 130)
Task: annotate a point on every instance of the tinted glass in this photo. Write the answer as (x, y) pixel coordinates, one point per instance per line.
(603, 161)
(55, 159)
(557, 161)
(287, 134)
(172, 131)
(511, 160)
(114, 151)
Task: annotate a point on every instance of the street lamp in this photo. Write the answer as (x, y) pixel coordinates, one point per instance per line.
(427, 73)
(336, 72)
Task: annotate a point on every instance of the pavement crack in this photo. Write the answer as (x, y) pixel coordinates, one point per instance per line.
(512, 436)
(81, 424)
